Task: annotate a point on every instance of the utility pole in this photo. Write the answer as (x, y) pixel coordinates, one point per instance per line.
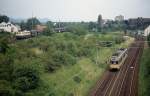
(97, 54)
(32, 22)
(59, 26)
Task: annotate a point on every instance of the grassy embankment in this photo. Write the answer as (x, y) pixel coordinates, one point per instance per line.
(63, 81)
(144, 75)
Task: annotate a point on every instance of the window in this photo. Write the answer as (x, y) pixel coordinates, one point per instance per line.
(116, 62)
(113, 62)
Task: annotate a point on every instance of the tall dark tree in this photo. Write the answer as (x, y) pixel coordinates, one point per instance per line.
(49, 29)
(23, 25)
(49, 24)
(32, 22)
(4, 18)
(92, 26)
(100, 21)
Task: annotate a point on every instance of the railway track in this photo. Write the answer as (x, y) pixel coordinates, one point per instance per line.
(125, 81)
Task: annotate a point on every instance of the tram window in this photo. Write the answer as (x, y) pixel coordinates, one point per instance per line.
(112, 62)
(116, 62)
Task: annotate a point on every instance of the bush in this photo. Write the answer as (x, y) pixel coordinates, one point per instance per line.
(148, 39)
(77, 79)
(6, 92)
(119, 40)
(70, 94)
(25, 79)
(3, 47)
(5, 88)
(77, 30)
(51, 94)
(6, 67)
(58, 59)
(144, 74)
(18, 93)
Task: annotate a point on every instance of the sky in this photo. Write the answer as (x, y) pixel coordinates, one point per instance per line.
(75, 10)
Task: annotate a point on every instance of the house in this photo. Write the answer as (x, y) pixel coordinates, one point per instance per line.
(140, 23)
(119, 18)
(9, 27)
(40, 28)
(60, 29)
(147, 31)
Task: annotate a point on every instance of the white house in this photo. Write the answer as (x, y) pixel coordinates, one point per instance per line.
(147, 31)
(119, 18)
(9, 27)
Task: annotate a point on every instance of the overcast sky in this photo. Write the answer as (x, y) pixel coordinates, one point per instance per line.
(75, 10)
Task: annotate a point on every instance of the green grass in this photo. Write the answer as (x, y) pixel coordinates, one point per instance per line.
(62, 83)
(144, 76)
(68, 79)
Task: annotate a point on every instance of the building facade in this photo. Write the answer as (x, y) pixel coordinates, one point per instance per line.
(9, 27)
(40, 28)
(140, 23)
(119, 18)
(147, 31)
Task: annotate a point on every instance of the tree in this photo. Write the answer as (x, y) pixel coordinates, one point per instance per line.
(5, 40)
(49, 24)
(25, 79)
(32, 22)
(49, 30)
(92, 26)
(4, 18)
(77, 30)
(100, 21)
(23, 25)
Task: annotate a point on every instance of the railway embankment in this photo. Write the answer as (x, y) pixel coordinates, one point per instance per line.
(125, 81)
(144, 75)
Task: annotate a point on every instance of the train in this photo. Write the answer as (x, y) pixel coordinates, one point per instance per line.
(118, 58)
(26, 34)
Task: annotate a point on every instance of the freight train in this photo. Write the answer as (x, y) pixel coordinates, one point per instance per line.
(118, 58)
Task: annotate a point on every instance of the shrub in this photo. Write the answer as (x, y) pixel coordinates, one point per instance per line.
(77, 30)
(148, 39)
(119, 40)
(52, 94)
(70, 94)
(77, 79)
(6, 92)
(25, 79)
(58, 59)
(5, 88)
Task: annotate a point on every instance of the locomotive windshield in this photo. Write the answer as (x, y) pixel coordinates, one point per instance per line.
(114, 62)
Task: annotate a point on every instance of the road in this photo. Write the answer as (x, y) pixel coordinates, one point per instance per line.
(125, 81)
